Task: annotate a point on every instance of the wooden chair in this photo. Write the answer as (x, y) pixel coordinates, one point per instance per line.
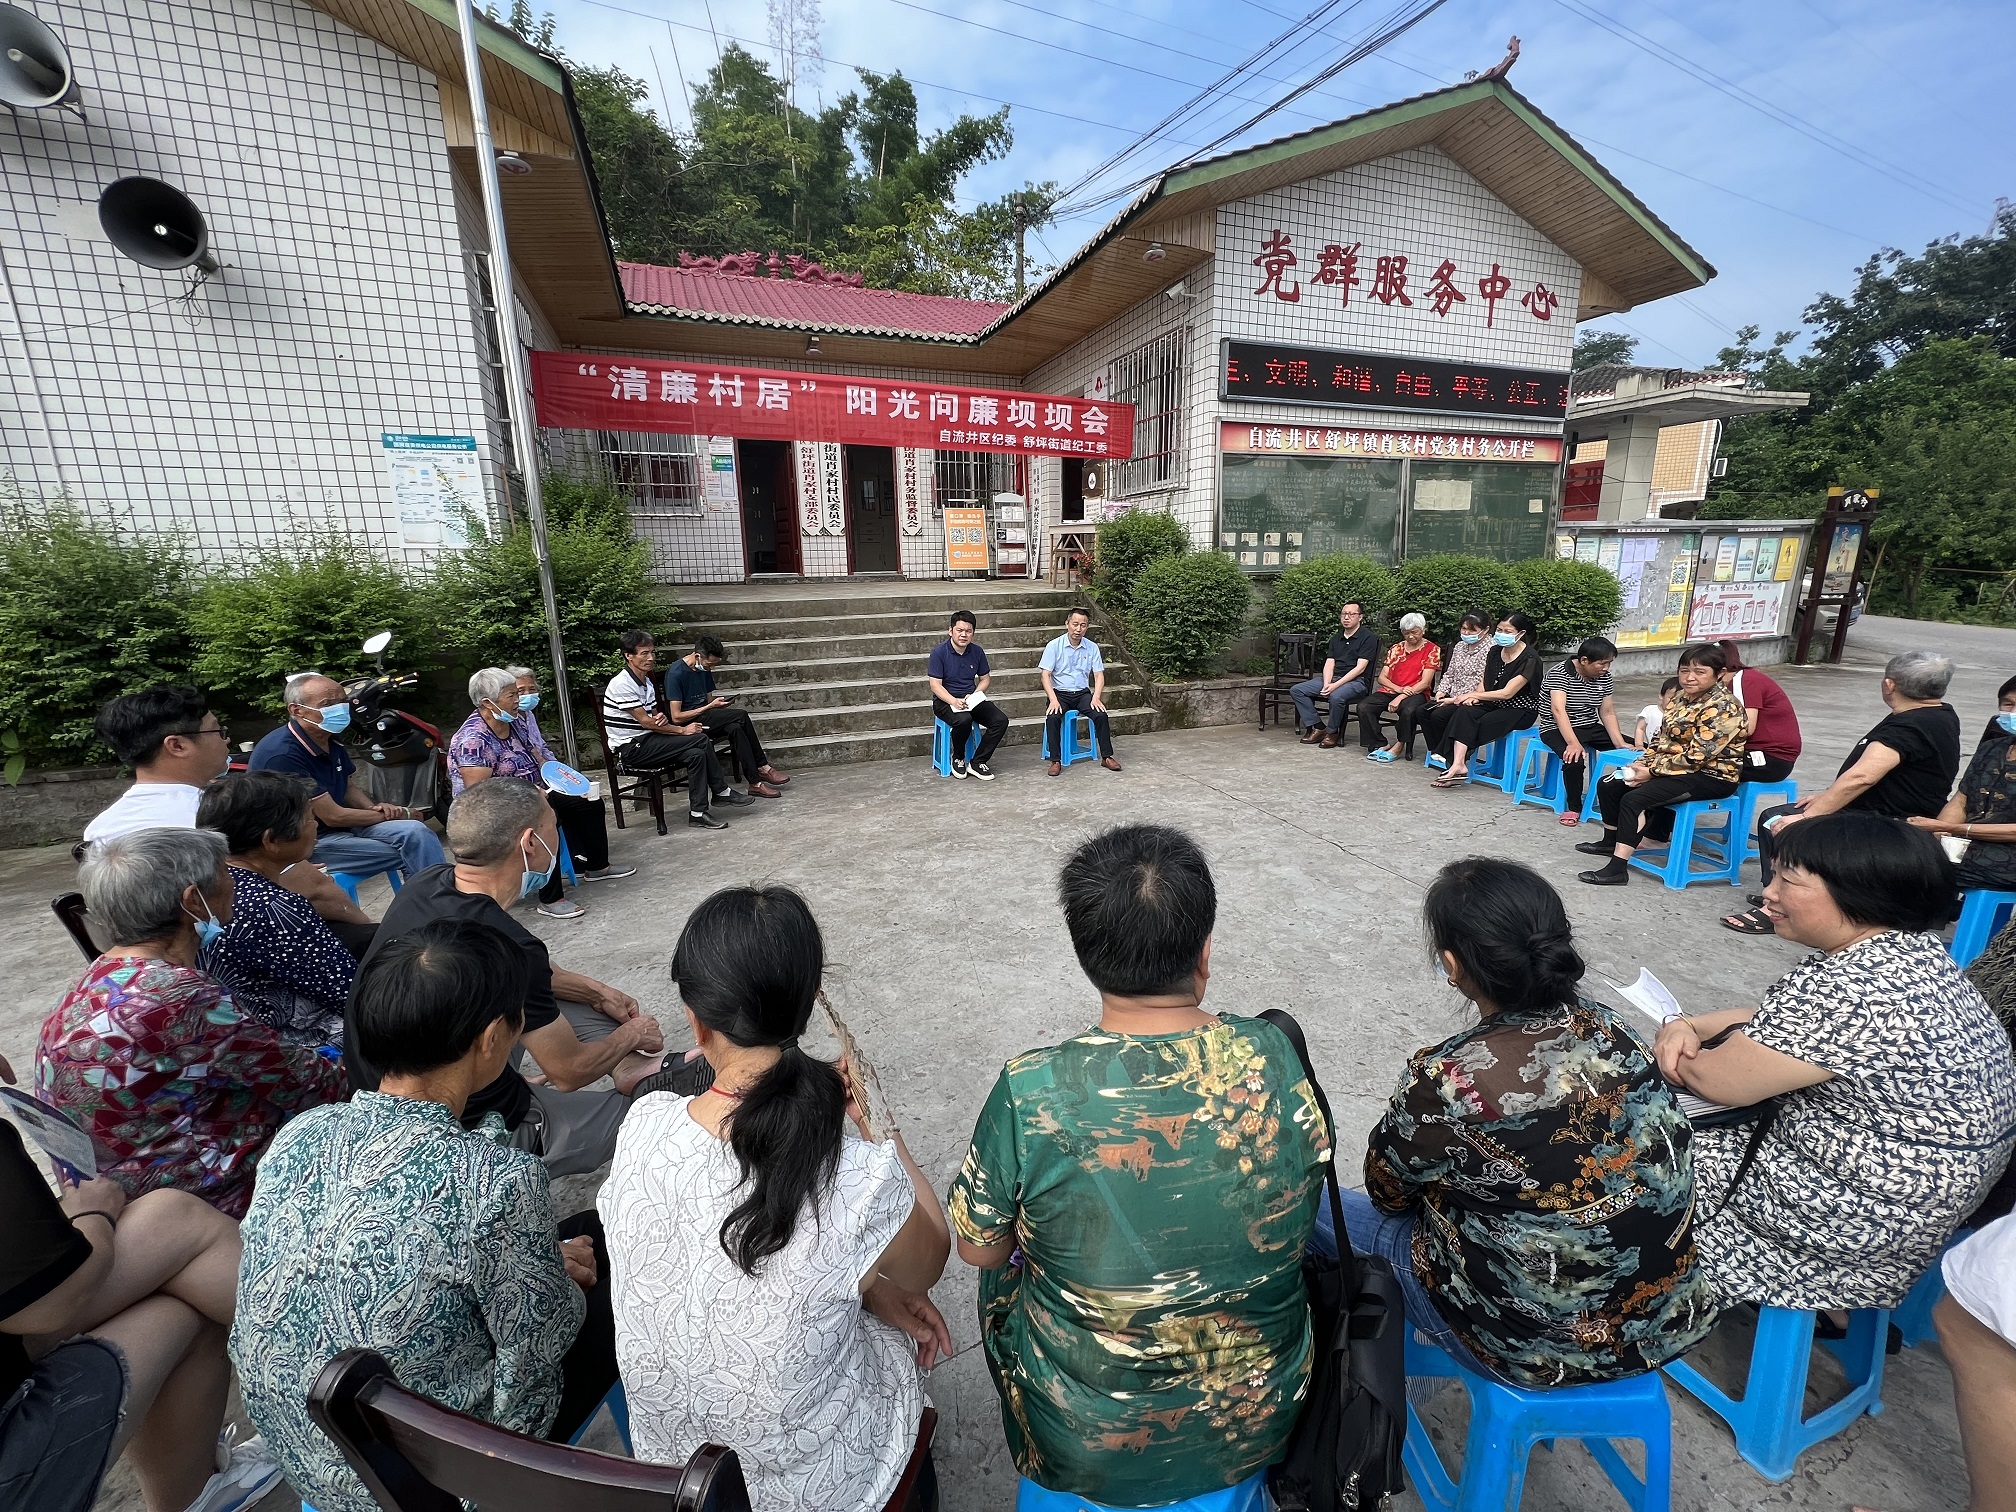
(1294, 662)
(69, 909)
(646, 787)
(414, 1455)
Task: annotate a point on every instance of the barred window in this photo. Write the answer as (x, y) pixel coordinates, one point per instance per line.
(660, 473)
(1151, 379)
(963, 479)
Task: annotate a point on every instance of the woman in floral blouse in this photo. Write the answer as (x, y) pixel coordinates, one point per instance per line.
(1531, 1180)
(1697, 754)
(151, 1055)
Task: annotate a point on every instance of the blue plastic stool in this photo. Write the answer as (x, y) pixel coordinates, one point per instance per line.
(1549, 792)
(1506, 1422)
(348, 881)
(1913, 1316)
(1675, 867)
(1599, 763)
(1497, 761)
(1750, 798)
(1250, 1495)
(1982, 913)
(1075, 749)
(1769, 1419)
(567, 864)
(941, 746)
(619, 1414)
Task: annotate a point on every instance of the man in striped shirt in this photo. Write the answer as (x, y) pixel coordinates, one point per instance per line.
(641, 737)
(1579, 715)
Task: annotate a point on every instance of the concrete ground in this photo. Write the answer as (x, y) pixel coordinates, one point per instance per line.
(948, 955)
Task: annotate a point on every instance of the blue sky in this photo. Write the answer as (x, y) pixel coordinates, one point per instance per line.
(1884, 125)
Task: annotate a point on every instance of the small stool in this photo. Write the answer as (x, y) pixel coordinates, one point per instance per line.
(1549, 791)
(619, 1414)
(1913, 1316)
(941, 746)
(1075, 749)
(1982, 912)
(1250, 1495)
(1752, 797)
(1599, 763)
(1506, 1422)
(349, 881)
(1676, 867)
(1768, 1419)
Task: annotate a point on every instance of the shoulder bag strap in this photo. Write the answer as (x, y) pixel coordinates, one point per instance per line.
(1347, 1257)
(1767, 1116)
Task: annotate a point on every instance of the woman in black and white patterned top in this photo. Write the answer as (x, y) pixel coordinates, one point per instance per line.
(1895, 1083)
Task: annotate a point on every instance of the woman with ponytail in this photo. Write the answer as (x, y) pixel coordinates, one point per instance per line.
(1531, 1181)
(750, 1233)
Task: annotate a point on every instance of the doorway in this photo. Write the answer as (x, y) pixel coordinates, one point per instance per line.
(871, 509)
(1073, 511)
(769, 506)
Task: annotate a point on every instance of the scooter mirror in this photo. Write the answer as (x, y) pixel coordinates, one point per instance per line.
(377, 644)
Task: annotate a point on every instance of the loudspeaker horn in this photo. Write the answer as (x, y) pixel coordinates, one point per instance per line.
(156, 225)
(34, 65)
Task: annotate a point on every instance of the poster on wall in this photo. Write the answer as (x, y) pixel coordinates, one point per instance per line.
(1735, 611)
(1788, 559)
(437, 488)
(832, 490)
(1841, 555)
(966, 540)
(913, 501)
(717, 476)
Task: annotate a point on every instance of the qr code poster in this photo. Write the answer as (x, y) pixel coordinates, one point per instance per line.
(966, 540)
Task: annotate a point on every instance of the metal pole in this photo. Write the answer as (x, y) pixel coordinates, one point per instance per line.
(524, 438)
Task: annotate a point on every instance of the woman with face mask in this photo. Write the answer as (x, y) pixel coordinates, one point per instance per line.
(151, 1055)
(1508, 700)
(502, 739)
(1462, 675)
(1979, 820)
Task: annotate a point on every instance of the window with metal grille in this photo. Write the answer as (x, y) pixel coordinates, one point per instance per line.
(1151, 379)
(660, 473)
(963, 479)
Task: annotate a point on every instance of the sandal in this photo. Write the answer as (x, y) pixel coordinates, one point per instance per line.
(1755, 900)
(1752, 922)
(1446, 780)
(1572, 820)
(1383, 756)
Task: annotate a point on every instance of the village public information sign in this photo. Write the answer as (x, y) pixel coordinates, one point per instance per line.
(577, 391)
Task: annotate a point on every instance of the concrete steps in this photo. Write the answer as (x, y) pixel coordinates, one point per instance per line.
(834, 677)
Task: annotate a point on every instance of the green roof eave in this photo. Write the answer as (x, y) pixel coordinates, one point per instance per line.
(499, 41)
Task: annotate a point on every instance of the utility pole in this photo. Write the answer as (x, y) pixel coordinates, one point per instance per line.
(524, 435)
(1018, 213)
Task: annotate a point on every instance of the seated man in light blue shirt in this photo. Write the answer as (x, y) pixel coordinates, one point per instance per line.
(1074, 676)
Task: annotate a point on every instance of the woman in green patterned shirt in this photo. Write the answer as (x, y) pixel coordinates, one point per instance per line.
(1138, 1199)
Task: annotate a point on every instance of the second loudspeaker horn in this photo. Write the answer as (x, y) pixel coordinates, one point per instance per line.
(156, 225)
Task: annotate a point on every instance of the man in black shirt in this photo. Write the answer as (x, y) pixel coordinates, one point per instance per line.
(692, 706)
(577, 1029)
(1903, 768)
(1348, 668)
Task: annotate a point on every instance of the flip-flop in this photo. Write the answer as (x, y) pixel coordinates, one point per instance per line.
(1751, 922)
(1446, 781)
(1383, 756)
(1571, 820)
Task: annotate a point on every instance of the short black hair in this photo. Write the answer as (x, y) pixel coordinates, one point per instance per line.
(1352, 603)
(1476, 619)
(135, 724)
(1880, 872)
(2005, 690)
(421, 1000)
(1076, 610)
(244, 807)
(1508, 930)
(1140, 905)
(1518, 620)
(1710, 657)
(633, 641)
(1597, 648)
(708, 645)
(962, 614)
(1671, 685)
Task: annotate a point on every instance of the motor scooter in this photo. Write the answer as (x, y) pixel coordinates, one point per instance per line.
(400, 757)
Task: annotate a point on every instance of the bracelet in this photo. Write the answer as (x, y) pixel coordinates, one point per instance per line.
(93, 1213)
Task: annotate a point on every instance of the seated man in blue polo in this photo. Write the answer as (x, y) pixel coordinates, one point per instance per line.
(1074, 675)
(358, 834)
(959, 676)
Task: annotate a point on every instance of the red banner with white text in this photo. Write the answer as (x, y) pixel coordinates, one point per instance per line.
(583, 392)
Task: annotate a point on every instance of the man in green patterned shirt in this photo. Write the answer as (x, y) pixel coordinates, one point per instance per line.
(1138, 1199)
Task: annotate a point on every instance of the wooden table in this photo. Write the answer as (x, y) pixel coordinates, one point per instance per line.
(1071, 549)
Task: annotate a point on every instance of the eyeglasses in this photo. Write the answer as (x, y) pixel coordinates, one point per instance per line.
(222, 730)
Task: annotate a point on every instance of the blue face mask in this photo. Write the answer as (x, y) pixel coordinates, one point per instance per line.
(503, 713)
(532, 881)
(1471, 639)
(2008, 723)
(1504, 639)
(208, 930)
(335, 719)
(527, 702)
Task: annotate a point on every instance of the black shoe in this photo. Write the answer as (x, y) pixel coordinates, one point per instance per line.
(1605, 877)
(705, 821)
(983, 771)
(682, 1077)
(734, 799)
(959, 768)
(1597, 847)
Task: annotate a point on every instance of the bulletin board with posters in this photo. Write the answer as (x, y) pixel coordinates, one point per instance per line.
(1654, 565)
(1745, 582)
(1694, 580)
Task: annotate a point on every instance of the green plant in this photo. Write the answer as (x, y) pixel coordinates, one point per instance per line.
(1186, 611)
(1123, 550)
(1307, 597)
(308, 602)
(1444, 588)
(1565, 600)
(591, 504)
(88, 610)
(16, 752)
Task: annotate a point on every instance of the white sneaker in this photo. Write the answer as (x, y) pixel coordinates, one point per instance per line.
(246, 1473)
(564, 908)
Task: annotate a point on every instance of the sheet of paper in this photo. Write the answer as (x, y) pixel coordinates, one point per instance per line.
(1655, 1000)
(51, 1131)
(975, 699)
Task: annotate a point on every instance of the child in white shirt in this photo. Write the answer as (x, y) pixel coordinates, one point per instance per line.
(1653, 715)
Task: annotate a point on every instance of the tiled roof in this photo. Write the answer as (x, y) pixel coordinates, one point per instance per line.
(805, 305)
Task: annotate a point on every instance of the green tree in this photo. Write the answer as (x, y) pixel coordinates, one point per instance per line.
(1602, 348)
(640, 167)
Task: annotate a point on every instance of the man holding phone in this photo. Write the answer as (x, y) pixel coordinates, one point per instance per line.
(692, 705)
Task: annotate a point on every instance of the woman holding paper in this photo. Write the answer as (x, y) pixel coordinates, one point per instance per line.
(1894, 1087)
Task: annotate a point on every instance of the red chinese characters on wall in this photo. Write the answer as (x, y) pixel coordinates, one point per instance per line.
(1337, 267)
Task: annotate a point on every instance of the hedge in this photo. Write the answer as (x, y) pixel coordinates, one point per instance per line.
(1125, 547)
(1442, 589)
(1187, 609)
(1308, 596)
(1566, 600)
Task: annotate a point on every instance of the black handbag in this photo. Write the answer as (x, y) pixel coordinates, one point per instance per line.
(1344, 1453)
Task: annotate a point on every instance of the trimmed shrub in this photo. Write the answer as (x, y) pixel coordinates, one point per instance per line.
(87, 611)
(1123, 550)
(1186, 611)
(1567, 600)
(1308, 595)
(1442, 589)
(585, 504)
(308, 603)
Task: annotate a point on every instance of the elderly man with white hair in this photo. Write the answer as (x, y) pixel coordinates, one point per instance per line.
(359, 834)
(501, 739)
(1405, 678)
